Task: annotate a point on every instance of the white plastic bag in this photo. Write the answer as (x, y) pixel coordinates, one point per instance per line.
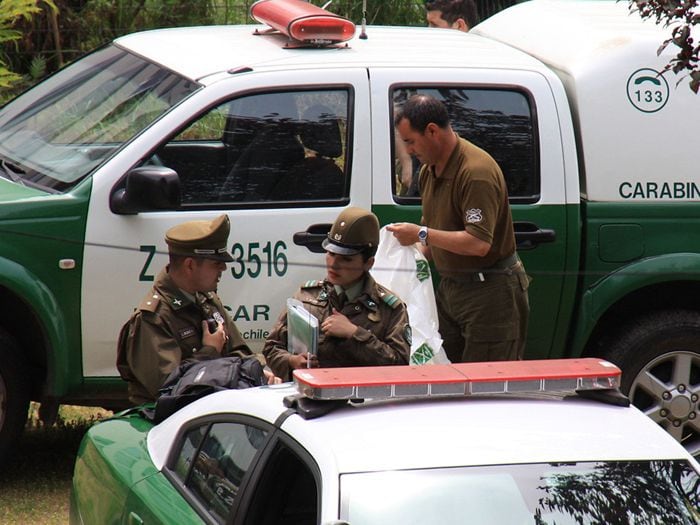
(405, 271)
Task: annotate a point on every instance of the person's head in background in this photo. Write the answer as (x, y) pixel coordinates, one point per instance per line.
(451, 14)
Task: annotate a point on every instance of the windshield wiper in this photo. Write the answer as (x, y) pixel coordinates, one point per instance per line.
(12, 171)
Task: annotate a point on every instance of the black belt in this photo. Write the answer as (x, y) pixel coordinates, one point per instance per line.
(480, 275)
(505, 263)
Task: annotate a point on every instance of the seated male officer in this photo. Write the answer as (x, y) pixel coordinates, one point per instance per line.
(171, 324)
(361, 322)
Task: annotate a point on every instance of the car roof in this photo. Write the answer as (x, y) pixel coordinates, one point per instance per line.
(589, 36)
(198, 52)
(441, 432)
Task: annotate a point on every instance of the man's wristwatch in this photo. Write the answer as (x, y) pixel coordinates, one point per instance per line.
(423, 235)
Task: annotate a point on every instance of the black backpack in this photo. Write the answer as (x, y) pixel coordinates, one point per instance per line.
(195, 379)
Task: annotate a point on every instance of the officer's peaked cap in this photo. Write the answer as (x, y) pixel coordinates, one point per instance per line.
(354, 231)
(203, 239)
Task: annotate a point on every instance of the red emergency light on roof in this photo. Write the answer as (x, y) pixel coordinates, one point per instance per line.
(463, 379)
(303, 22)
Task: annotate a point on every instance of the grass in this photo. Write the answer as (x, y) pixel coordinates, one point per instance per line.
(35, 481)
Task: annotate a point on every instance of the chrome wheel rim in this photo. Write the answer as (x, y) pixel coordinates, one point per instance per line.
(667, 390)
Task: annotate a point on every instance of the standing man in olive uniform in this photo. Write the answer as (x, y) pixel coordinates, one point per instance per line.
(482, 298)
(361, 322)
(181, 318)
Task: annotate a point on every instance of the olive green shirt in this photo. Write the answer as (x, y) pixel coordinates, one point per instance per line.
(470, 194)
(166, 330)
(383, 336)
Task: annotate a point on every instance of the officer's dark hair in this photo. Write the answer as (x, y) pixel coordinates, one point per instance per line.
(421, 110)
(451, 10)
(368, 253)
(175, 260)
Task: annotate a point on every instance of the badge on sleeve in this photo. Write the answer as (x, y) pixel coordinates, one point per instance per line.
(474, 215)
(407, 334)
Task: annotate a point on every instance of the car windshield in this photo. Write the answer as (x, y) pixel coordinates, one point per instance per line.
(57, 133)
(629, 492)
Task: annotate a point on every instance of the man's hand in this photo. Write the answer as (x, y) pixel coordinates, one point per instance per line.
(303, 360)
(338, 325)
(405, 232)
(271, 378)
(217, 339)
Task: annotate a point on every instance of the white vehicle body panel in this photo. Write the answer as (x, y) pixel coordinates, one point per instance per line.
(605, 49)
(115, 269)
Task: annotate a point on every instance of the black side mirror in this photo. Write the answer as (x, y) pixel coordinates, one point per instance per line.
(147, 188)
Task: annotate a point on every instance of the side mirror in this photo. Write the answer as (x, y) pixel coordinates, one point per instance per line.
(147, 188)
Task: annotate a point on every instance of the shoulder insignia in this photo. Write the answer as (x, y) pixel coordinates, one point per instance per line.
(179, 301)
(312, 284)
(391, 299)
(150, 303)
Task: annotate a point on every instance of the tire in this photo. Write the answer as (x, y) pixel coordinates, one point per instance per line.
(659, 355)
(14, 397)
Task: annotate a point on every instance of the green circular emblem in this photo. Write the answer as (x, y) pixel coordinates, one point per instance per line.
(407, 334)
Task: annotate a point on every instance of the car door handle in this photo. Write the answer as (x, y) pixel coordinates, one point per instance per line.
(528, 235)
(313, 237)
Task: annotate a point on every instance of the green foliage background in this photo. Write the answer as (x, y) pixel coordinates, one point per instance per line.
(39, 36)
(12, 12)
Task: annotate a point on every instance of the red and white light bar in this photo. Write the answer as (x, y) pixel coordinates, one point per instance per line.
(459, 379)
(303, 22)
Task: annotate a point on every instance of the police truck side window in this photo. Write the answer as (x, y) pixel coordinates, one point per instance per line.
(499, 121)
(286, 148)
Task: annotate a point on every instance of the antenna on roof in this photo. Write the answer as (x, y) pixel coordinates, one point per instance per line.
(363, 33)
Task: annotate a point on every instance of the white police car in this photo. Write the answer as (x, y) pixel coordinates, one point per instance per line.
(444, 444)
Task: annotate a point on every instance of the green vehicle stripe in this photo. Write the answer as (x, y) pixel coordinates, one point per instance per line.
(37, 233)
(632, 247)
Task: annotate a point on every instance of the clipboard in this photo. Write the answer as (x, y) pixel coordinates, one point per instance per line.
(302, 328)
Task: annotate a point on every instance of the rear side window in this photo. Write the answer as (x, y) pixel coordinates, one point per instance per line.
(500, 121)
(286, 148)
(212, 462)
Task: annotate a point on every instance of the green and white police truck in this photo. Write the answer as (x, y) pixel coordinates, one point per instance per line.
(165, 126)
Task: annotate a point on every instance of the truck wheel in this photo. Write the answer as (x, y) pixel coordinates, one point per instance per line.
(14, 399)
(660, 363)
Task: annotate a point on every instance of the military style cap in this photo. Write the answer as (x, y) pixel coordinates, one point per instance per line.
(204, 239)
(354, 231)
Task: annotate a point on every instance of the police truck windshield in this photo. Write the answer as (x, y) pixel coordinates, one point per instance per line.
(55, 135)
